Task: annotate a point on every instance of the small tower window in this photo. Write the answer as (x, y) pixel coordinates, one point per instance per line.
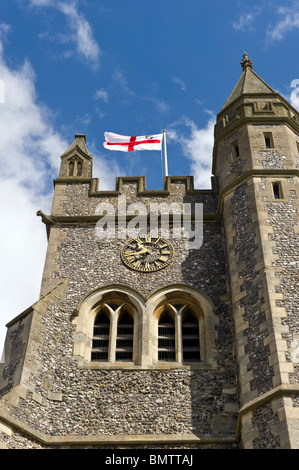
(75, 167)
(236, 150)
(71, 168)
(268, 141)
(79, 168)
(277, 191)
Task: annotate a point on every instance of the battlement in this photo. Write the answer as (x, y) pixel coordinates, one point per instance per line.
(81, 196)
(137, 184)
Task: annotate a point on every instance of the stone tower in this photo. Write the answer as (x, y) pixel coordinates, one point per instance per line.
(256, 163)
(149, 341)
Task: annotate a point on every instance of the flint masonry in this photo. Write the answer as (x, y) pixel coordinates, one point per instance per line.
(131, 347)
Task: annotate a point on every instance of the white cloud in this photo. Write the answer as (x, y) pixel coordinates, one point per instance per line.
(294, 96)
(30, 148)
(4, 30)
(29, 158)
(79, 29)
(288, 21)
(198, 147)
(29, 142)
(246, 19)
(23, 243)
(82, 32)
(160, 104)
(243, 21)
(120, 80)
(102, 95)
(179, 82)
(42, 3)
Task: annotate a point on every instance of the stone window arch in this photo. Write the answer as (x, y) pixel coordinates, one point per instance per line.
(108, 327)
(113, 332)
(193, 321)
(180, 325)
(117, 327)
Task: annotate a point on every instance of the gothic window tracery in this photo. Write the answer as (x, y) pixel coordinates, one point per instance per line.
(119, 328)
(113, 333)
(179, 333)
(75, 166)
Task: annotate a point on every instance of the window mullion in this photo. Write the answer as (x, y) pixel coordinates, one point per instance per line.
(113, 335)
(179, 341)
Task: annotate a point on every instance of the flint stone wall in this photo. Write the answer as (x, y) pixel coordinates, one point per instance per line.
(64, 399)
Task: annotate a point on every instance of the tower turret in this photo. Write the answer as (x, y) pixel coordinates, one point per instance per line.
(76, 161)
(255, 161)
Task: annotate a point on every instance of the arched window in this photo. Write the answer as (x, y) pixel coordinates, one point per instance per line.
(71, 168)
(79, 168)
(179, 330)
(75, 167)
(113, 333)
(117, 327)
(100, 340)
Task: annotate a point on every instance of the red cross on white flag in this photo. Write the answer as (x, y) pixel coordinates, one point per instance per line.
(126, 143)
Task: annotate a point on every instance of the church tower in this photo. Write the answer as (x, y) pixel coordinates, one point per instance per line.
(256, 163)
(148, 339)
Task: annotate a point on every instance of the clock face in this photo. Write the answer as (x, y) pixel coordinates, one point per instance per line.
(147, 254)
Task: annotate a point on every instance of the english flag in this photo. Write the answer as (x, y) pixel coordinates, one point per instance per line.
(126, 143)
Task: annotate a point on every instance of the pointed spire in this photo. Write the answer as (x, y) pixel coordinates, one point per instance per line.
(246, 62)
(76, 161)
(80, 142)
(249, 83)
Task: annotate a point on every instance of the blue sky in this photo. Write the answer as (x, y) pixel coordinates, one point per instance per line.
(129, 67)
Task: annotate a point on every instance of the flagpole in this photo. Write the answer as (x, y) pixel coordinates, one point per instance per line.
(165, 154)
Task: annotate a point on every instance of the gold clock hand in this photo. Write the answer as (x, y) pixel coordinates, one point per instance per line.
(142, 250)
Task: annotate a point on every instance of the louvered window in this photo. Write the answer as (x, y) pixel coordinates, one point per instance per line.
(125, 336)
(190, 337)
(179, 333)
(100, 342)
(166, 338)
(113, 334)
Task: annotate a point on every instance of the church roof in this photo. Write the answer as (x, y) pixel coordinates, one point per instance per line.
(248, 83)
(79, 142)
